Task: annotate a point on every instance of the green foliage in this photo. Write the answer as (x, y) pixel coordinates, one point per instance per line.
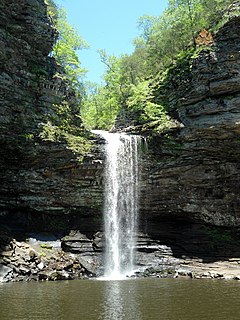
(49, 132)
(163, 52)
(46, 246)
(163, 37)
(80, 145)
(63, 122)
(141, 99)
(65, 49)
(102, 103)
(76, 141)
(28, 136)
(52, 9)
(99, 108)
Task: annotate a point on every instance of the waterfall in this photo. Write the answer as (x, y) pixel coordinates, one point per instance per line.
(121, 203)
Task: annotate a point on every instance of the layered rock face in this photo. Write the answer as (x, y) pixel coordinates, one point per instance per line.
(44, 187)
(26, 40)
(191, 177)
(197, 174)
(40, 180)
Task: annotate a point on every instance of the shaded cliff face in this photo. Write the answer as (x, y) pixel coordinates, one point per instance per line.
(41, 180)
(26, 40)
(194, 172)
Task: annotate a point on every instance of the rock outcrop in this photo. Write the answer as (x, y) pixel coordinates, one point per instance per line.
(36, 260)
(44, 187)
(195, 175)
(191, 191)
(41, 179)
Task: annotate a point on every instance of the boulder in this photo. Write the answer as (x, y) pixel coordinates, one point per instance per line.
(5, 271)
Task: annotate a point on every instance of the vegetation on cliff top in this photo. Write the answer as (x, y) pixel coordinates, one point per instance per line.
(132, 81)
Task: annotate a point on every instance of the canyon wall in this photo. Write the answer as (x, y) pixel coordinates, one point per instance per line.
(194, 171)
(42, 180)
(191, 174)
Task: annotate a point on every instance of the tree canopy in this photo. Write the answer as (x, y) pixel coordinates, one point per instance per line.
(65, 50)
(128, 79)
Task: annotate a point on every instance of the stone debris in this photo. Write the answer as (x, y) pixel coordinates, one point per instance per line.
(25, 263)
(42, 262)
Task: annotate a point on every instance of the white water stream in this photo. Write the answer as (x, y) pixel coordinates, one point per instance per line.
(121, 203)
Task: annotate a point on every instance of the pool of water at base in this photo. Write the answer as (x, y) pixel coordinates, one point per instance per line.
(135, 299)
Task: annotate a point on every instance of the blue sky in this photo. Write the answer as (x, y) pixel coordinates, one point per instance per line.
(109, 25)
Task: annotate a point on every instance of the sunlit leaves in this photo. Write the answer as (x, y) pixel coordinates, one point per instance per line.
(128, 79)
(65, 49)
(141, 99)
(166, 36)
(100, 107)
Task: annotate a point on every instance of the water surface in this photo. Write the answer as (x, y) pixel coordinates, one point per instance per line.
(141, 299)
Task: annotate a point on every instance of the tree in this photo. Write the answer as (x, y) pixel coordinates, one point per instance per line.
(100, 107)
(52, 9)
(164, 42)
(65, 49)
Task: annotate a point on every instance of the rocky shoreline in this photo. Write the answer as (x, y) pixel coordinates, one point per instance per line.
(77, 257)
(196, 269)
(36, 260)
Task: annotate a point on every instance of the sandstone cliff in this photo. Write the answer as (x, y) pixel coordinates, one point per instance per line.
(195, 173)
(40, 176)
(192, 172)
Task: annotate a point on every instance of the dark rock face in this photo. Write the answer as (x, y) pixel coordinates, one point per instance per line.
(26, 40)
(190, 177)
(210, 96)
(42, 182)
(194, 174)
(43, 185)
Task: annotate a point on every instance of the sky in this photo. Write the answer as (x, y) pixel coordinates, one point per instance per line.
(109, 25)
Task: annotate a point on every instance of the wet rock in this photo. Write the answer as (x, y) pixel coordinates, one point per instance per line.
(5, 273)
(42, 276)
(98, 241)
(76, 242)
(58, 275)
(148, 245)
(90, 264)
(68, 265)
(7, 253)
(24, 270)
(33, 255)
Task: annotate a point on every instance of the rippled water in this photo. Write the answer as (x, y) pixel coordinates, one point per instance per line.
(142, 299)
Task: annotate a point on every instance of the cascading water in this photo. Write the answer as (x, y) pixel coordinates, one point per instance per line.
(121, 203)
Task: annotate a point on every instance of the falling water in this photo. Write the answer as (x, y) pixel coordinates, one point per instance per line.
(121, 203)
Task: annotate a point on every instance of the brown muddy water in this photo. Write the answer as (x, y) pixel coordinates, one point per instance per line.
(139, 299)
